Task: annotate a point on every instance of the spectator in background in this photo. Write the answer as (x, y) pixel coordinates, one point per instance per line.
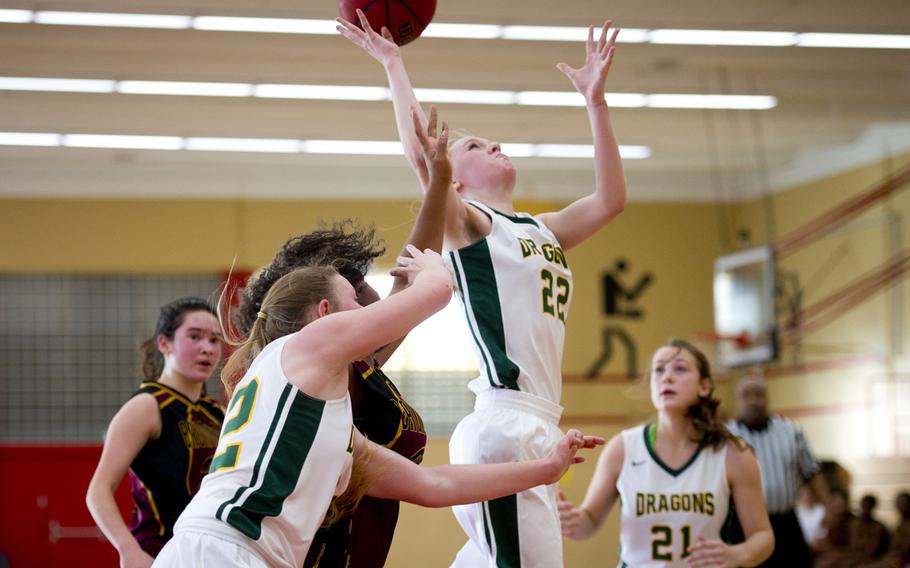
(869, 538)
(836, 476)
(810, 512)
(834, 549)
(786, 462)
(897, 557)
(899, 554)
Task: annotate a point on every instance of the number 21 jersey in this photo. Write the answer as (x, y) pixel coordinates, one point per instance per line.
(665, 510)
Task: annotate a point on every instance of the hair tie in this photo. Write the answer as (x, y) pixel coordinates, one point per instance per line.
(261, 315)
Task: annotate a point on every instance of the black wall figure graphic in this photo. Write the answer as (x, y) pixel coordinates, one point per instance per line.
(619, 302)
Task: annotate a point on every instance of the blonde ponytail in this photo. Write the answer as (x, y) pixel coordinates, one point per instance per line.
(287, 307)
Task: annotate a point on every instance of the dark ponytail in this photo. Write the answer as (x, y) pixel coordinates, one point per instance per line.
(710, 430)
(170, 318)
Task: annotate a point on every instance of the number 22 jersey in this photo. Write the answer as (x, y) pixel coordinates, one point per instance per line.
(516, 288)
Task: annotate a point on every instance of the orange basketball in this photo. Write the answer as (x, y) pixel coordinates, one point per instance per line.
(406, 19)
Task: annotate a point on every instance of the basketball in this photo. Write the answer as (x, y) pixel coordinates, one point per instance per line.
(406, 19)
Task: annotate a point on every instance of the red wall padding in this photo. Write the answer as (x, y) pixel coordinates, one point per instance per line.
(42, 486)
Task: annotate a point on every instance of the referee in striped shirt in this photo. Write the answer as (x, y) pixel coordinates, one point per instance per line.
(786, 462)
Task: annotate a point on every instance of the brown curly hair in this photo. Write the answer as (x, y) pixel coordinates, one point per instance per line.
(345, 245)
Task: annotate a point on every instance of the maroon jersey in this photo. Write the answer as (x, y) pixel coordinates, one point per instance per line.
(363, 540)
(167, 472)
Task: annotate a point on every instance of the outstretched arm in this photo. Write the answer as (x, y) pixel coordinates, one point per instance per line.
(447, 485)
(428, 228)
(582, 522)
(587, 215)
(383, 49)
(312, 351)
(461, 219)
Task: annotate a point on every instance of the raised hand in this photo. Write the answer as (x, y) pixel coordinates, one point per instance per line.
(380, 46)
(589, 79)
(435, 149)
(570, 517)
(563, 455)
(418, 261)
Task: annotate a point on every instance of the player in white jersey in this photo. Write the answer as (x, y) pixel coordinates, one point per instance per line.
(288, 443)
(514, 280)
(674, 478)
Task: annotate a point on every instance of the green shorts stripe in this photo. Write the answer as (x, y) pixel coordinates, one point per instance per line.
(505, 543)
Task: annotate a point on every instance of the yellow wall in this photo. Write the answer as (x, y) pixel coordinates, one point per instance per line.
(675, 242)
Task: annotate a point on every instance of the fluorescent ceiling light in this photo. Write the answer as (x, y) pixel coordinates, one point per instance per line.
(722, 37)
(462, 31)
(628, 152)
(880, 41)
(15, 16)
(286, 146)
(514, 150)
(272, 145)
(267, 25)
(118, 141)
(518, 150)
(112, 20)
(565, 150)
(633, 35)
(550, 98)
(465, 96)
(545, 33)
(626, 100)
(184, 88)
(367, 147)
(568, 33)
(327, 92)
(58, 85)
(361, 93)
(29, 139)
(738, 102)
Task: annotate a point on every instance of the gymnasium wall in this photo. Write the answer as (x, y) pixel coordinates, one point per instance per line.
(677, 243)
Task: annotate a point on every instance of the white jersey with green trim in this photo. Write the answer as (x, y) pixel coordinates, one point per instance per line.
(665, 510)
(281, 458)
(516, 288)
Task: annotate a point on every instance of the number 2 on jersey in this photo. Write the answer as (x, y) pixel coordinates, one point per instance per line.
(243, 400)
(663, 539)
(546, 294)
